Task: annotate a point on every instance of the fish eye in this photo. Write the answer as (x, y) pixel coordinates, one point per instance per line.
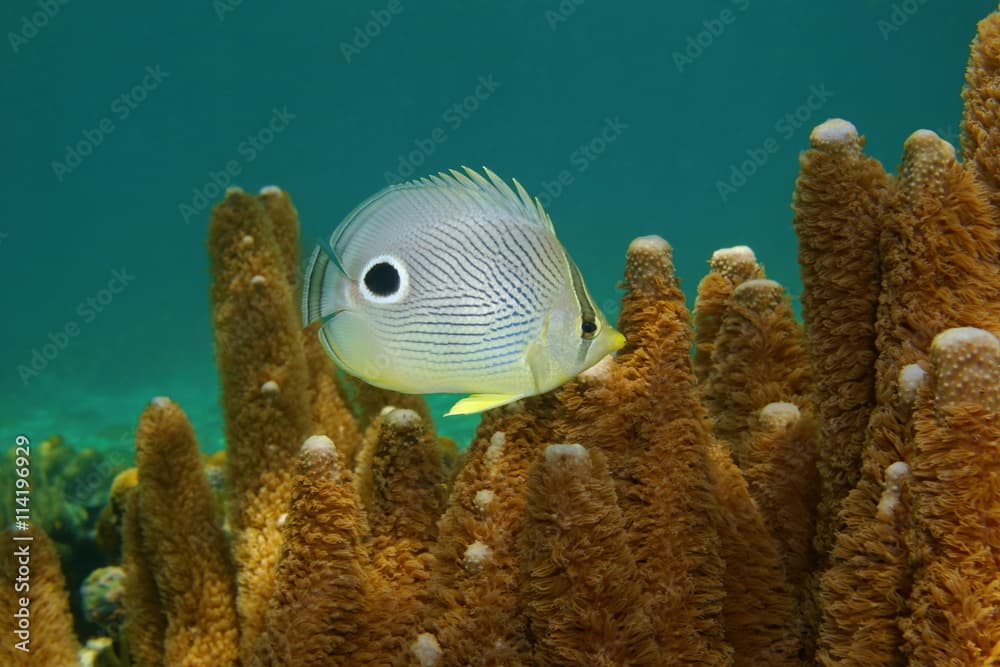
(384, 280)
(588, 329)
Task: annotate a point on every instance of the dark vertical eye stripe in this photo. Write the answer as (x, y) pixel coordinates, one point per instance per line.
(587, 310)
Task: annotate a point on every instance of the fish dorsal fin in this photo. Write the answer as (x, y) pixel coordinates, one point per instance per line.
(458, 194)
(496, 192)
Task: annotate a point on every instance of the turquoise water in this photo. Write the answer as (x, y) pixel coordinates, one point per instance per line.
(123, 121)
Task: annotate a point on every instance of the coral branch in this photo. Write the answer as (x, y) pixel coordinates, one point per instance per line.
(265, 396)
(583, 599)
(40, 632)
(956, 503)
(177, 526)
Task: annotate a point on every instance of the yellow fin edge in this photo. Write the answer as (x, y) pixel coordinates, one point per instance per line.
(479, 402)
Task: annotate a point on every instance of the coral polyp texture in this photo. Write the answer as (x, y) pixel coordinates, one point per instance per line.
(824, 492)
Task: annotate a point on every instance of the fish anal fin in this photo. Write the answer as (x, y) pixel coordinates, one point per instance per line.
(479, 402)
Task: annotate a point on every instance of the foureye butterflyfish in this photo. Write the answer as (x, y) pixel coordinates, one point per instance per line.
(455, 283)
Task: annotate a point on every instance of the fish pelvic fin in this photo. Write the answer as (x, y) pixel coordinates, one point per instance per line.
(479, 402)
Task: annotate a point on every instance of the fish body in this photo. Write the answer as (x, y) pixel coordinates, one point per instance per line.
(455, 283)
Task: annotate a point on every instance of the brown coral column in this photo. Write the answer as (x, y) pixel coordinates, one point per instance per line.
(758, 359)
(29, 568)
(401, 480)
(641, 409)
(584, 601)
(145, 624)
(402, 485)
(182, 541)
(981, 118)
(862, 596)
(938, 250)
(728, 268)
(761, 610)
(955, 618)
(317, 613)
(785, 483)
(331, 410)
(840, 195)
(475, 617)
(331, 413)
(265, 389)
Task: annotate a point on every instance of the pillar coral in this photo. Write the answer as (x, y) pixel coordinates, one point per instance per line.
(28, 557)
(641, 409)
(176, 527)
(839, 198)
(401, 483)
(474, 616)
(317, 613)
(981, 111)
(955, 483)
(583, 599)
(729, 267)
(265, 389)
(784, 484)
(757, 359)
(761, 612)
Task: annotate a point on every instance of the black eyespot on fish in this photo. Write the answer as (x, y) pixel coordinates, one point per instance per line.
(382, 279)
(588, 329)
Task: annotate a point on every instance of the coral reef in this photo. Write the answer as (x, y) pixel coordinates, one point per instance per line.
(816, 493)
(103, 594)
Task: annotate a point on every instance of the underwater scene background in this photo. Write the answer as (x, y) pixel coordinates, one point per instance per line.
(125, 122)
(794, 472)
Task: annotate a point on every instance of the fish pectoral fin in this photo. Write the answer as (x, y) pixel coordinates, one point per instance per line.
(478, 402)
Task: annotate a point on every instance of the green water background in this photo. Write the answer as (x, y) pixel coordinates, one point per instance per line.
(121, 120)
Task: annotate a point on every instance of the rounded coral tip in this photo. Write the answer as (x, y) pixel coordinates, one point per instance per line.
(779, 414)
(647, 258)
(317, 444)
(911, 377)
(759, 294)
(426, 649)
(737, 264)
(833, 131)
(966, 365)
(556, 453)
(928, 138)
(403, 418)
(475, 554)
(161, 402)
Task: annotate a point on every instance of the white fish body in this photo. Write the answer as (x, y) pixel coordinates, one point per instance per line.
(455, 283)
